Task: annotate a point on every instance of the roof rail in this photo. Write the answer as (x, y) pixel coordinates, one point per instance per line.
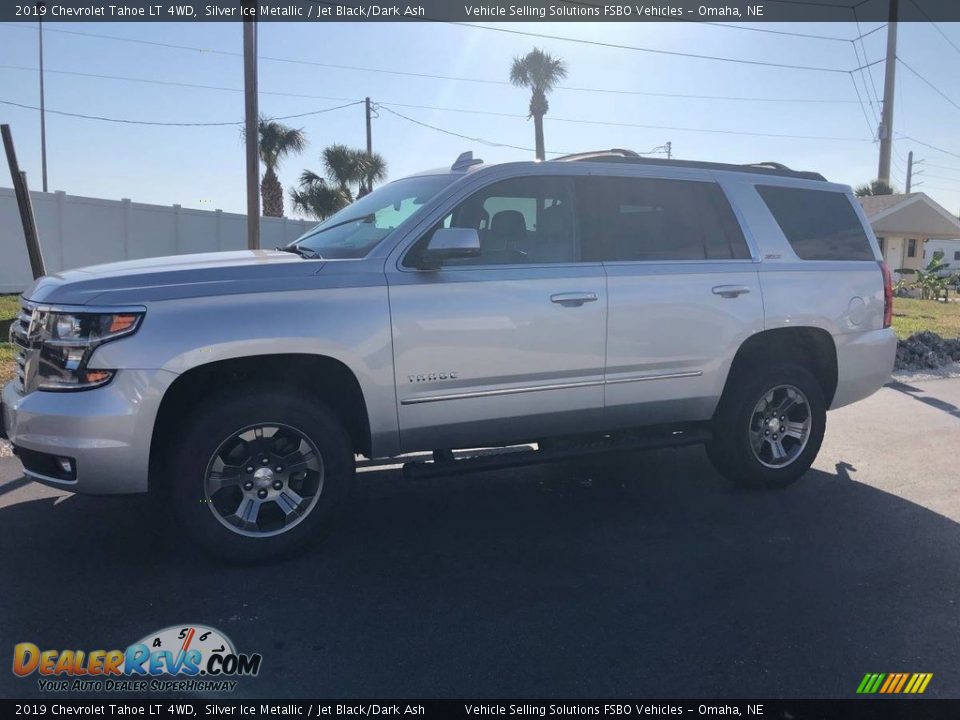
(619, 155)
(600, 155)
(465, 160)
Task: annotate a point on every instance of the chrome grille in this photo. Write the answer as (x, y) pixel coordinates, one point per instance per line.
(20, 338)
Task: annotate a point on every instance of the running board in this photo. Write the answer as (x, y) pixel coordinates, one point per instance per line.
(675, 436)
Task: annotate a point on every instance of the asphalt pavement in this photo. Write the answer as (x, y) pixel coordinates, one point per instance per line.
(645, 576)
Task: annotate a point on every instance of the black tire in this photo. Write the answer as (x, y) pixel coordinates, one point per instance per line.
(731, 450)
(215, 420)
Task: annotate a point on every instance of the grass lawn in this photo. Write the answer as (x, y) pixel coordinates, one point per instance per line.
(911, 316)
(9, 307)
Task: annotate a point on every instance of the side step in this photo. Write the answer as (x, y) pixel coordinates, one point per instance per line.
(674, 436)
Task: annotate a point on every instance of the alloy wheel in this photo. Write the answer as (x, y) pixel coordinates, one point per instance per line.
(780, 426)
(263, 480)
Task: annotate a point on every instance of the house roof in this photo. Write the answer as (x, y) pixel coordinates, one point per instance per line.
(912, 214)
(875, 204)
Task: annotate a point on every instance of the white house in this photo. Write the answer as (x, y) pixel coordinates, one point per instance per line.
(910, 227)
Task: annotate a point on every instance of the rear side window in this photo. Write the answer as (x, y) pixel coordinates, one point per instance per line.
(818, 224)
(649, 219)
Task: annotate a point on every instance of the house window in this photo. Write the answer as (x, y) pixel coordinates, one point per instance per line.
(912, 247)
(880, 243)
(956, 254)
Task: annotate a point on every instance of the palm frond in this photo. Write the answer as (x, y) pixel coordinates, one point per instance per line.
(278, 140)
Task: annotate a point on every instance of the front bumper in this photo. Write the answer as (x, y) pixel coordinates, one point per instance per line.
(106, 431)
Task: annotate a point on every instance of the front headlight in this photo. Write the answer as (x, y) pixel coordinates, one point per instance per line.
(67, 340)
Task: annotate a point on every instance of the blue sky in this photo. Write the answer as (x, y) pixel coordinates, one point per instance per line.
(203, 167)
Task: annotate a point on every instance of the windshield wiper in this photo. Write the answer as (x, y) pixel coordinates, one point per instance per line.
(303, 252)
(362, 218)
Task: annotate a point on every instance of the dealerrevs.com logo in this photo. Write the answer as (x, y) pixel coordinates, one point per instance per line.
(177, 658)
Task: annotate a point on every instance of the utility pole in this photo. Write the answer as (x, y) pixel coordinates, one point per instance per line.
(911, 173)
(252, 127)
(885, 131)
(369, 140)
(43, 112)
(669, 147)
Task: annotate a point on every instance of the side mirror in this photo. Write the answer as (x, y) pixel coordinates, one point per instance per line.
(450, 244)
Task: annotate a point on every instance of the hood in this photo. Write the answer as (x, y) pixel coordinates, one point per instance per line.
(175, 276)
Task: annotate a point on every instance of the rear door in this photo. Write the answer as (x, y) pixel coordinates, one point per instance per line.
(510, 345)
(682, 289)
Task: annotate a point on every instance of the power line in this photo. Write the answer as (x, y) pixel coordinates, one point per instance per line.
(863, 109)
(483, 141)
(659, 150)
(443, 109)
(325, 97)
(383, 103)
(636, 48)
(609, 123)
(942, 167)
(357, 68)
(929, 84)
(705, 130)
(729, 26)
(674, 53)
(853, 77)
(868, 33)
(932, 147)
(172, 83)
(935, 26)
(125, 121)
(875, 99)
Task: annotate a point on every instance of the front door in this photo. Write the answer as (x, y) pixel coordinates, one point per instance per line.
(508, 346)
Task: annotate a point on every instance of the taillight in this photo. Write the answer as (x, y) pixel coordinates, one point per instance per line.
(887, 294)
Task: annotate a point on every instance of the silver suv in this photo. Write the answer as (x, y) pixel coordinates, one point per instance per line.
(599, 300)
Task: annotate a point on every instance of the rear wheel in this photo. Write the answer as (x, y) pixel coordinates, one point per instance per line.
(769, 427)
(260, 475)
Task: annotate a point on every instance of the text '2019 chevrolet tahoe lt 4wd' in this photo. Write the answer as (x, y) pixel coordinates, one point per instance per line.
(599, 295)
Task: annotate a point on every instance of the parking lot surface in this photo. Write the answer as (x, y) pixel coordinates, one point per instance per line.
(645, 576)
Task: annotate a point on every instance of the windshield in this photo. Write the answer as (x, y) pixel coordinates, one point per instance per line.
(358, 228)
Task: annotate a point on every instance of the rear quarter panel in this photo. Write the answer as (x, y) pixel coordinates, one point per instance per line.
(845, 298)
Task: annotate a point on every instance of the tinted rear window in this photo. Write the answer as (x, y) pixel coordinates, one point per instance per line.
(819, 224)
(647, 219)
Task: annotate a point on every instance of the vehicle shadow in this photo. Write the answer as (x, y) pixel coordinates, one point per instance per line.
(644, 576)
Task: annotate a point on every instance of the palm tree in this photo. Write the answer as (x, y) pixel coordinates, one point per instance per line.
(276, 142)
(875, 187)
(374, 169)
(345, 165)
(316, 198)
(540, 72)
(345, 168)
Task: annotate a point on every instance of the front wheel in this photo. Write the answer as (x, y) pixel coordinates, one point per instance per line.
(769, 427)
(260, 475)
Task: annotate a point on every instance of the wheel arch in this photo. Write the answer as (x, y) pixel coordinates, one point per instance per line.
(812, 347)
(322, 376)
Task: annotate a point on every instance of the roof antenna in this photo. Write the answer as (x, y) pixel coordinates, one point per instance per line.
(465, 160)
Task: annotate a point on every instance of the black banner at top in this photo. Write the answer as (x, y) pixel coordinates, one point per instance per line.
(740, 11)
(892, 709)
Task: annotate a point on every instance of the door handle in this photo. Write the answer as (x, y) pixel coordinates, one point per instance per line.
(573, 299)
(730, 291)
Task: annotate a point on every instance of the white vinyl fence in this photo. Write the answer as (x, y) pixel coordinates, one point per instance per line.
(76, 231)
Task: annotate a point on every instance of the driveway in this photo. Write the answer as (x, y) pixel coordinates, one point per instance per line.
(653, 578)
